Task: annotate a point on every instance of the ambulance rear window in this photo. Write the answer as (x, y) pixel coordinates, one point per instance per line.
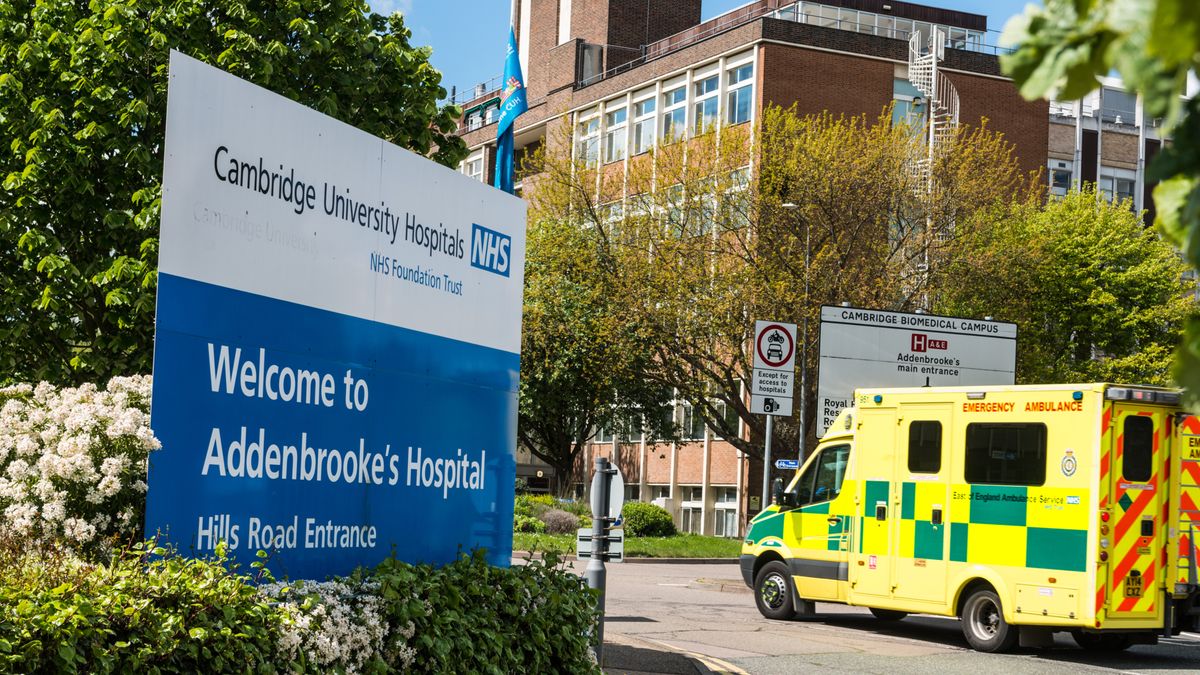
(925, 447)
(1139, 448)
(1006, 454)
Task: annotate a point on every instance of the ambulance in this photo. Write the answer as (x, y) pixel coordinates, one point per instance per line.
(1022, 510)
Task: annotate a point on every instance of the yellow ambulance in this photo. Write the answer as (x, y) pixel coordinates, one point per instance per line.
(1022, 510)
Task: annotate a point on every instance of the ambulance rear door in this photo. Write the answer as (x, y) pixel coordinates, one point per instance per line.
(1137, 480)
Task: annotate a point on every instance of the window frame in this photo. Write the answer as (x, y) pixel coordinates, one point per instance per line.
(587, 144)
(734, 89)
(671, 109)
(646, 117)
(814, 466)
(702, 100)
(1129, 451)
(970, 452)
(941, 447)
(614, 148)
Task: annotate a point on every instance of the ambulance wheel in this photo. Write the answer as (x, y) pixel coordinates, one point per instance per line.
(773, 591)
(983, 623)
(1101, 642)
(887, 614)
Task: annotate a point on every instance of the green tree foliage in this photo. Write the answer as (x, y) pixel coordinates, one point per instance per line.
(1064, 48)
(700, 246)
(582, 356)
(1095, 296)
(83, 90)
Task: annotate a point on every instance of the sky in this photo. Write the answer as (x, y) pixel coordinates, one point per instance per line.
(468, 38)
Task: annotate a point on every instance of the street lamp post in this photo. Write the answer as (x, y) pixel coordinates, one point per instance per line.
(803, 339)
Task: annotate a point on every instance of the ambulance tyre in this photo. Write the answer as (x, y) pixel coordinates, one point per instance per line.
(983, 623)
(1099, 642)
(773, 591)
(887, 614)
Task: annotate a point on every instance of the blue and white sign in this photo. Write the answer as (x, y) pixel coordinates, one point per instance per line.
(787, 464)
(337, 340)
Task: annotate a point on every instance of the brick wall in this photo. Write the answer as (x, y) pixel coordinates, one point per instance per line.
(1023, 123)
(817, 81)
(543, 36)
(1061, 141)
(1119, 150)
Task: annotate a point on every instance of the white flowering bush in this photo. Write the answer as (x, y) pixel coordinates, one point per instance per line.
(73, 461)
(338, 625)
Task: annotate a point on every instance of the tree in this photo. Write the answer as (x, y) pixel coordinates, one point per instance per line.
(702, 245)
(582, 356)
(1095, 296)
(82, 110)
(1064, 48)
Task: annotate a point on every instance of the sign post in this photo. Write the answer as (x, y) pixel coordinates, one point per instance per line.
(608, 497)
(771, 385)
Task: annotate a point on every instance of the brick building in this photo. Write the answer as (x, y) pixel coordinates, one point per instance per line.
(625, 73)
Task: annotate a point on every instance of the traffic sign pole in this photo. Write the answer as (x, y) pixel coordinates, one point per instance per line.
(595, 573)
(767, 466)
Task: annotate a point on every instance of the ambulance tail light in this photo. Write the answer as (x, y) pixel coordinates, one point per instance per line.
(1104, 516)
(1103, 556)
(1142, 395)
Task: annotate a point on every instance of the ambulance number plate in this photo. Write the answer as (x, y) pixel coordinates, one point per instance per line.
(1133, 585)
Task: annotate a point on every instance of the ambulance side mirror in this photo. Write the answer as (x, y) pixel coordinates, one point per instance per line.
(784, 499)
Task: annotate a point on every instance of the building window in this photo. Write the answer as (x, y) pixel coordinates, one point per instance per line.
(1120, 107)
(614, 135)
(474, 120)
(725, 523)
(589, 141)
(691, 424)
(692, 518)
(705, 94)
(660, 492)
(643, 126)
(603, 435)
(632, 492)
(1060, 182)
(925, 447)
(674, 114)
(1138, 457)
(1006, 454)
(491, 114)
(740, 86)
(1116, 188)
(473, 168)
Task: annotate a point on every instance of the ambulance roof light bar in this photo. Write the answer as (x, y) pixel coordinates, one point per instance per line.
(1142, 395)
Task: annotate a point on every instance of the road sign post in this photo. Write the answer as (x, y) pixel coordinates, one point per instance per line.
(608, 497)
(771, 385)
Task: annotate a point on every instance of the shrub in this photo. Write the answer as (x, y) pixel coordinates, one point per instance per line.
(533, 505)
(560, 522)
(150, 610)
(468, 616)
(73, 461)
(528, 524)
(146, 609)
(579, 508)
(647, 520)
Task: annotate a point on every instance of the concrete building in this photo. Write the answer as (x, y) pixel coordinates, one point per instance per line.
(1106, 138)
(626, 73)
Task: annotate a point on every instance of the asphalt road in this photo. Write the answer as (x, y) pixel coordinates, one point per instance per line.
(706, 611)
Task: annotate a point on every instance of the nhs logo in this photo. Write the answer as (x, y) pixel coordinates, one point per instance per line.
(490, 250)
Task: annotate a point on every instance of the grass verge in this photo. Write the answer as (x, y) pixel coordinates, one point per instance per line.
(678, 546)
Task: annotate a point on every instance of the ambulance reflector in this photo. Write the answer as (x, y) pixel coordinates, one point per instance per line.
(1142, 395)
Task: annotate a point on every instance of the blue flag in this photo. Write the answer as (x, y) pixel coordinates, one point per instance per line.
(512, 104)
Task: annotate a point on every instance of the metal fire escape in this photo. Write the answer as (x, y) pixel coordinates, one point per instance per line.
(925, 75)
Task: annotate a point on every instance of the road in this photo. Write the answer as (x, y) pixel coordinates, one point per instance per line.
(707, 610)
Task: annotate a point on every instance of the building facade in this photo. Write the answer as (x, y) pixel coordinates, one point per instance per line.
(626, 74)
